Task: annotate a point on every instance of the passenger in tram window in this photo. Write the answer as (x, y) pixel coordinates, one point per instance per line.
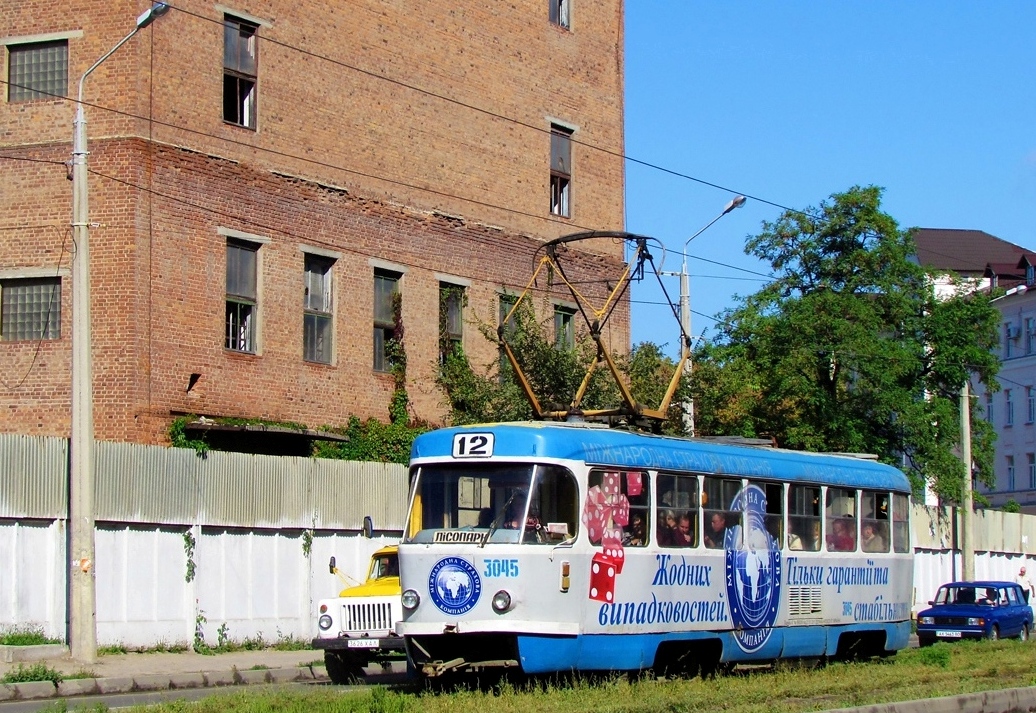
(871, 540)
(485, 517)
(794, 538)
(804, 535)
(716, 531)
(667, 529)
(684, 532)
(636, 537)
(841, 538)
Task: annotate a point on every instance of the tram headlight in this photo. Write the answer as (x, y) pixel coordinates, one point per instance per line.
(929, 620)
(410, 599)
(501, 601)
(324, 622)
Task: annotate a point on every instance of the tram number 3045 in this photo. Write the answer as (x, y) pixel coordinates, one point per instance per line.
(473, 445)
(500, 568)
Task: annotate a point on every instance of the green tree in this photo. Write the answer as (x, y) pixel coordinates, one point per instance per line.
(847, 349)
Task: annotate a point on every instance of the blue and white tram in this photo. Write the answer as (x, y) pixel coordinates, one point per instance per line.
(551, 547)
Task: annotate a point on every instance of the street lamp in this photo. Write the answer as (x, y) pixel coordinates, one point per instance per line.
(685, 310)
(82, 608)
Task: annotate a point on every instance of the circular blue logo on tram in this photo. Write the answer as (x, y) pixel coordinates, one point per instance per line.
(454, 586)
(753, 575)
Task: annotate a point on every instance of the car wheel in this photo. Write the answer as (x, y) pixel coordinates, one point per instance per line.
(1024, 633)
(994, 633)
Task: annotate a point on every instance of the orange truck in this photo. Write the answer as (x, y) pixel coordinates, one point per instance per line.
(357, 628)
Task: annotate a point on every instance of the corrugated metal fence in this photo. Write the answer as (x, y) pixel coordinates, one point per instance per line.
(188, 544)
(185, 542)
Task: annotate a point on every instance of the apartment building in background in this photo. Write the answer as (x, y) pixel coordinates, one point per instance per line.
(990, 263)
(267, 176)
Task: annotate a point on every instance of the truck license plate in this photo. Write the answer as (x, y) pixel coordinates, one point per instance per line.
(363, 643)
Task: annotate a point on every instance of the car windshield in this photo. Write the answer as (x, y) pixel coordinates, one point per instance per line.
(970, 594)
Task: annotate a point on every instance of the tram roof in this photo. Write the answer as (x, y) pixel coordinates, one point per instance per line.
(600, 445)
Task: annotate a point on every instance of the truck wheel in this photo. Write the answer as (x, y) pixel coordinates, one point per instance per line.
(342, 669)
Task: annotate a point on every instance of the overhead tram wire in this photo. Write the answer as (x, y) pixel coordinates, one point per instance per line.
(287, 233)
(403, 184)
(245, 220)
(343, 169)
(492, 114)
(496, 115)
(295, 236)
(415, 88)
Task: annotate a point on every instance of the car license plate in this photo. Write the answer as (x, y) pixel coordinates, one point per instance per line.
(948, 634)
(363, 643)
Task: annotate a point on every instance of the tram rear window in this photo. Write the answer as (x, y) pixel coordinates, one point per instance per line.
(472, 503)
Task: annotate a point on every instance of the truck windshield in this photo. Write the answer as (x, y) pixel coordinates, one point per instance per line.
(383, 566)
(480, 503)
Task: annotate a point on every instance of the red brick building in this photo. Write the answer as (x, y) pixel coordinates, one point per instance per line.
(264, 174)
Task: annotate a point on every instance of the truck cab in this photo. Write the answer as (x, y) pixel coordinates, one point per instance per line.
(357, 628)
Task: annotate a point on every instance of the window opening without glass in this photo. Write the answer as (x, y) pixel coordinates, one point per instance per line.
(242, 295)
(560, 171)
(240, 71)
(386, 285)
(510, 325)
(317, 309)
(559, 12)
(564, 328)
(451, 323)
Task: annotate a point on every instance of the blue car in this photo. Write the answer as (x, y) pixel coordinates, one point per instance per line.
(975, 610)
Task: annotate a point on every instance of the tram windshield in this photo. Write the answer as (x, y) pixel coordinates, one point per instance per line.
(491, 503)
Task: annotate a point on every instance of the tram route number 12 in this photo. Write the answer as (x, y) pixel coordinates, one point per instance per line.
(473, 445)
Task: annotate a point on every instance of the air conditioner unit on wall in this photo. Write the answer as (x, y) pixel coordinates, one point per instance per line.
(1013, 332)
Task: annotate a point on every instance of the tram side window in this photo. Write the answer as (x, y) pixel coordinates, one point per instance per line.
(618, 507)
(718, 512)
(900, 523)
(874, 535)
(840, 511)
(804, 531)
(773, 517)
(677, 511)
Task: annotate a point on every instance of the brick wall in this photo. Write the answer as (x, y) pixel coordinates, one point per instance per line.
(412, 133)
(158, 290)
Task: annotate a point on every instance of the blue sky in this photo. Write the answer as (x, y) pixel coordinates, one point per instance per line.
(789, 102)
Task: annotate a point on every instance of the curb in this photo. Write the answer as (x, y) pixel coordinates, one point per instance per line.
(156, 682)
(1007, 700)
(35, 652)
